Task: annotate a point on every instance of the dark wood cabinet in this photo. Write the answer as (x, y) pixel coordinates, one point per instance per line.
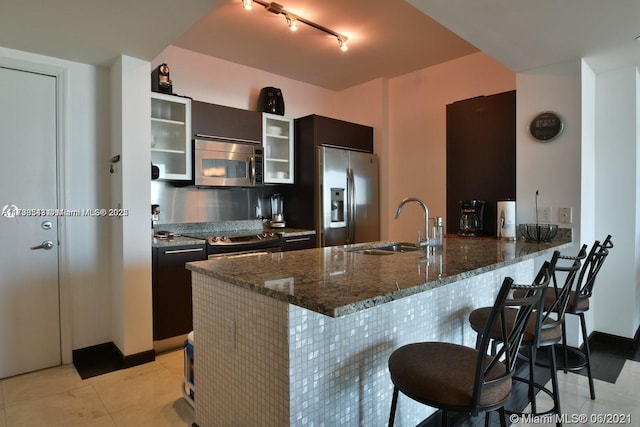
(172, 309)
(296, 243)
(481, 155)
(221, 121)
(319, 130)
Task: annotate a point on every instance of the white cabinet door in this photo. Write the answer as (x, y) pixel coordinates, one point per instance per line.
(277, 138)
(171, 136)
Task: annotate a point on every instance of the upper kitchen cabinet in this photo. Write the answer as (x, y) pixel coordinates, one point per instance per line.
(171, 136)
(481, 156)
(319, 130)
(221, 122)
(278, 148)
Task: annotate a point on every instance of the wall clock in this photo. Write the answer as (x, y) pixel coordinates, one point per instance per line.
(546, 126)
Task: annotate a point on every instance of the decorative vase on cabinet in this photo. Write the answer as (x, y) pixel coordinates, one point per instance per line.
(277, 137)
(171, 136)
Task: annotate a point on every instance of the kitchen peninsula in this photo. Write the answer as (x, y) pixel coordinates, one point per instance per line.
(303, 337)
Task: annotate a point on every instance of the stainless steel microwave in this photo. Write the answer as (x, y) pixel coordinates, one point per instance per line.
(227, 163)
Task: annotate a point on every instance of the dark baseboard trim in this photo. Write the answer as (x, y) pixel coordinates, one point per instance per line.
(135, 359)
(107, 357)
(627, 343)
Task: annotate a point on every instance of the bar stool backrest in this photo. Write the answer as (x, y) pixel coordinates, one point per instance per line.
(550, 316)
(589, 273)
(511, 337)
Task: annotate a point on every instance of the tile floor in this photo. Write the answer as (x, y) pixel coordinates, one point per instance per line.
(612, 399)
(145, 395)
(149, 395)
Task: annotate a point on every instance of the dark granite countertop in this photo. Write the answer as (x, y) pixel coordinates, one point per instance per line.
(337, 281)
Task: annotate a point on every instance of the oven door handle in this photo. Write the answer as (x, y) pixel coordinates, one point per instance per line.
(246, 254)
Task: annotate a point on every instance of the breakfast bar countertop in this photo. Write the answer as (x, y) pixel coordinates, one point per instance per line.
(337, 281)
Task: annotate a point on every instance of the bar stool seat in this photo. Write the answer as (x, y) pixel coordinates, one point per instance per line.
(449, 376)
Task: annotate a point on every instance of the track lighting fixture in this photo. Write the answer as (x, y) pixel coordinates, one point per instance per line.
(292, 20)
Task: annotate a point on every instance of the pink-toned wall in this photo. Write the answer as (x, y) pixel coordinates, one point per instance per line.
(408, 114)
(417, 133)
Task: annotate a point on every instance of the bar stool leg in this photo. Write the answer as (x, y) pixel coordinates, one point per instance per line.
(532, 363)
(554, 383)
(587, 355)
(394, 402)
(564, 346)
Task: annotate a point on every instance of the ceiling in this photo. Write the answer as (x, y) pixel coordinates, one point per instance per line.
(387, 38)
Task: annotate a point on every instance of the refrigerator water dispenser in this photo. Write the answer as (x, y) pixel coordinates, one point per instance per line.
(337, 205)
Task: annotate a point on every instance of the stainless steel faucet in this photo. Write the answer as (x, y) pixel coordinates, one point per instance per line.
(425, 239)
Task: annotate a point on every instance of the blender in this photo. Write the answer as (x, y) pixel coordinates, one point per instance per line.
(471, 217)
(277, 217)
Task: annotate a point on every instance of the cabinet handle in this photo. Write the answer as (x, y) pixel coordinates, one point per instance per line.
(299, 239)
(183, 251)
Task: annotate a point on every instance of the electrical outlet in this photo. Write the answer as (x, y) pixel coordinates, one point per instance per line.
(564, 216)
(544, 215)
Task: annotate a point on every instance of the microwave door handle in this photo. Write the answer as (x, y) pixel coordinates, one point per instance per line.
(252, 170)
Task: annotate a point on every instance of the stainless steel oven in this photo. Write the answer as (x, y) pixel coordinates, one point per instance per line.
(227, 163)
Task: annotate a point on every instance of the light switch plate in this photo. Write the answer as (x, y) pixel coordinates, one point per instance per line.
(564, 215)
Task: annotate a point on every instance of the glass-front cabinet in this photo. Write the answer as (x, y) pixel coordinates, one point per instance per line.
(277, 133)
(171, 136)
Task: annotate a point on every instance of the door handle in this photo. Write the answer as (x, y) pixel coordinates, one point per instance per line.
(46, 245)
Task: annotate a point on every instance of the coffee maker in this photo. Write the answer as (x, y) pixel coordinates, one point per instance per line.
(471, 218)
(277, 216)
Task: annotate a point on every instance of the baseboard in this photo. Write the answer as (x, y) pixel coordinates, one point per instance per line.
(107, 357)
(137, 358)
(623, 342)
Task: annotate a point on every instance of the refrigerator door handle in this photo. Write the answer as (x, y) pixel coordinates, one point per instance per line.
(351, 206)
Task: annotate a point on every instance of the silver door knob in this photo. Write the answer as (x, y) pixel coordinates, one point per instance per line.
(46, 245)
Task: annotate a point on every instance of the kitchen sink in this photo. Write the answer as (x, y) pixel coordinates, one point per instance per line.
(399, 247)
(390, 249)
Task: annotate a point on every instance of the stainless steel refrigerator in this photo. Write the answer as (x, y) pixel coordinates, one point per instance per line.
(347, 196)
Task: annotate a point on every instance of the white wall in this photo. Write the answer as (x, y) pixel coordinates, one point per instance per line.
(213, 80)
(553, 167)
(617, 289)
(86, 247)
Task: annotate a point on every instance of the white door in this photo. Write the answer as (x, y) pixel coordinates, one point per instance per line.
(29, 301)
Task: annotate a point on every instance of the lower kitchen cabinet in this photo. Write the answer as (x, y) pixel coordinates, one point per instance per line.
(172, 309)
(295, 243)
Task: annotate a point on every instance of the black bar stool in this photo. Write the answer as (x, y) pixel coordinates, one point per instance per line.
(454, 377)
(543, 330)
(579, 304)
